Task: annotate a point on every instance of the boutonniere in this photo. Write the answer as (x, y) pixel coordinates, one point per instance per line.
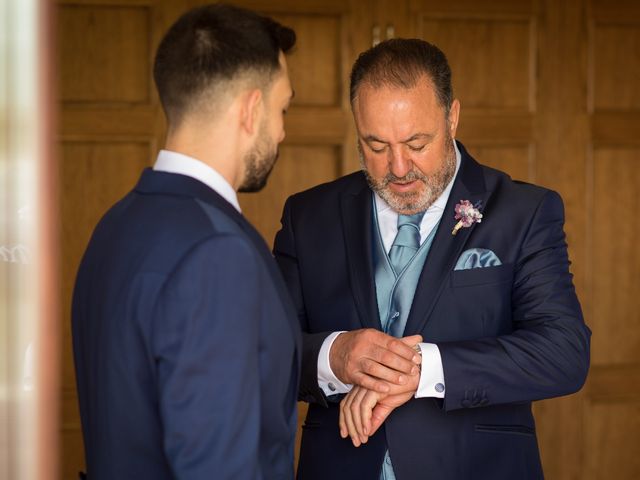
(467, 215)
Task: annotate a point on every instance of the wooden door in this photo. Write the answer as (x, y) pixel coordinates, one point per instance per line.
(610, 115)
(111, 126)
(549, 94)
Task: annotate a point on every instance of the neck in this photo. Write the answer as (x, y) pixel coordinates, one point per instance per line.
(214, 147)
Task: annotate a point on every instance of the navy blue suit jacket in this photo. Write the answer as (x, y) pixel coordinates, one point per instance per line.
(185, 341)
(508, 334)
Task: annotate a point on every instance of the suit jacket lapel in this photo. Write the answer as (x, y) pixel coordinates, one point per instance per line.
(357, 227)
(446, 248)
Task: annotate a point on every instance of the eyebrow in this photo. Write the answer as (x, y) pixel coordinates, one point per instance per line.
(417, 136)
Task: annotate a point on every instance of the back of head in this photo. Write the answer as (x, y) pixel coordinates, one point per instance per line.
(401, 63)
(212, 48)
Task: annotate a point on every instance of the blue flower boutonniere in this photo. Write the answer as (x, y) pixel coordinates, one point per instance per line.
(467, 214)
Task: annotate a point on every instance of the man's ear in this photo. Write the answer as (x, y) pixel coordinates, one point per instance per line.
(250, 109)
(454, 114)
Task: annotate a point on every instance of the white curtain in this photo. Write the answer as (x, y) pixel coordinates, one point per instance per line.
(24, 235)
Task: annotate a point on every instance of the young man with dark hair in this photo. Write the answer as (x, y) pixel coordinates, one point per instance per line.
(185, 340)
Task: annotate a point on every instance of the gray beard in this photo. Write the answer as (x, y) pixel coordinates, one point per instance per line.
(412, 202)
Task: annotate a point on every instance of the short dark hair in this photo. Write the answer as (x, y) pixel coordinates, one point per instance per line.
(212, 44)
(401, 62)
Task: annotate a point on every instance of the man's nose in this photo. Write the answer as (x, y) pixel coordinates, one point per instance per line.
(399, 163)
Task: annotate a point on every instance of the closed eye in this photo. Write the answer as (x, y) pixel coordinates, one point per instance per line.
(416, 148)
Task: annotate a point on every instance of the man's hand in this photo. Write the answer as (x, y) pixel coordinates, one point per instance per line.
(374, 360)
(363, 411)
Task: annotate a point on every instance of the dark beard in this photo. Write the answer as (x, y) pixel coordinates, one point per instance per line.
(259, 163)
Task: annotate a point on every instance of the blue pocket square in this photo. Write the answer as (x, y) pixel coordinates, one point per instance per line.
(477, 258)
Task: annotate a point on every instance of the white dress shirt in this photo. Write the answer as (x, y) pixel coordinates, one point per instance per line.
(432, 374)
(173, 162)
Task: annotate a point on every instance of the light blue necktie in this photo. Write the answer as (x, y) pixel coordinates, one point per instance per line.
(407, 241)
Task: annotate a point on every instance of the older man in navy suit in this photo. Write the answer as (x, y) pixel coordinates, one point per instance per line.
(185, 339)
(426, 248)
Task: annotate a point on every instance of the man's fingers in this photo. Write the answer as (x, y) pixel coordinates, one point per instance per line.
(355, 414)
(378, 416)
(366, 410)
(341, 421)
(371, 383)
(404, 347)
(398, 356)
(345, 411)
(411, 341)
(381, 372)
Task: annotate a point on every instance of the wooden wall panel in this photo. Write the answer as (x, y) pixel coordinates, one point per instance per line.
(615, 256)
(93, 176)
(612, 437)
(612, 398)
(71, 436)
(315, 78)
(497, 72)
(516, 160)
(616, 66)
(103, 53)
(298, 168)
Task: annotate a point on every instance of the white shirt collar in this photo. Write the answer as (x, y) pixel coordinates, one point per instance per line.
(441, 201)
(174, 162)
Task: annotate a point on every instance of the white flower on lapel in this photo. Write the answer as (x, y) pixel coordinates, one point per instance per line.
(466, 214)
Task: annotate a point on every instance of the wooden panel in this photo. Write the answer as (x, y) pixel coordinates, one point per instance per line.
(133, 120)
(498, 72)
(315, 78)
(468, 6)
(481, 127)
(615, 66)
(93, 176)
(316, 125)
(72, 445)
(615, 256)
(104, 54)
(512, 159)
(72, 452)
(298, 168)
(617, 381)
(618, 11)
(303, 407)
(612, 436)
(615, 128)
(295, 6)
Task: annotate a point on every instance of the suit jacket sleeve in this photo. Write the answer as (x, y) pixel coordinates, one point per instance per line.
(284, 251)
(205, 344)
(547, 353)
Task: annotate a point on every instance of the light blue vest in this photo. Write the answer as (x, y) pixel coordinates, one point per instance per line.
(395, 294)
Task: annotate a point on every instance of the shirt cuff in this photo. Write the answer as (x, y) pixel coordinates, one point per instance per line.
(431, 374)
(327, 380)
